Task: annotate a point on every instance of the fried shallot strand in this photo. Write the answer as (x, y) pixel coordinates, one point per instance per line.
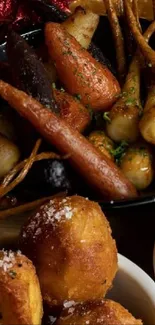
(153, 5)
(118, 39)
(136, 13)
(40, 156)
(5, 189)
(146, 50)
(27, 206)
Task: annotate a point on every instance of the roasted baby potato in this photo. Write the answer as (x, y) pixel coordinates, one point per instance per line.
(20, 296)
(147, 125)
(82, 25)
(102, 312)
(9, 154)
(71, 110)
(101, 141)
(69, 240)
(123, 123)
(137, 165)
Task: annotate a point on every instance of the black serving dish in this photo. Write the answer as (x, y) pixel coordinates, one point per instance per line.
(35, 38)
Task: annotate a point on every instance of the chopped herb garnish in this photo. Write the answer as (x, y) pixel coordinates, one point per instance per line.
(62, 90)
(53, 85)
(91, 112)
(132, 90)
(130, 101)
(13, 274)
(75, 71)
(77, 96)
(119, 151)
(79, 74)
(106, 117)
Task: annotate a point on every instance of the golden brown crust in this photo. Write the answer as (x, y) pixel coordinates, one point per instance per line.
(71, 245)
(103, 312)
(101, 141)
(20, 296)
(100, 172)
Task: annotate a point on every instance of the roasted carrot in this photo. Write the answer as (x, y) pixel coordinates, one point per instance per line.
(98, 170)
(71, 110)
(79, 71)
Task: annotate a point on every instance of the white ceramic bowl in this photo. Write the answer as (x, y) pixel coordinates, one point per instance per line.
(135, 290)
(154, 258)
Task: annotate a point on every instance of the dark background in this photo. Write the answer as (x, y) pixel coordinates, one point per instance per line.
(134, 231)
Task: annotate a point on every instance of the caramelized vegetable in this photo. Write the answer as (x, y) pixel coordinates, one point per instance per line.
(124, 117)
(6, 189)
(104, 144)
(147, 122)
(78, 71)
(137, 165)
(146, 50)
(82, 25)
(98, 56)
(98, 6)
(28, 73)
(71, 110)
(106, 177)
(9, 155)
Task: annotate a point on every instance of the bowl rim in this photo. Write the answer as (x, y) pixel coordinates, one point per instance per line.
(154, 258)
(140, 276)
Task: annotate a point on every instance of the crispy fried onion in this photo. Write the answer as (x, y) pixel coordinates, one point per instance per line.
(147, 51)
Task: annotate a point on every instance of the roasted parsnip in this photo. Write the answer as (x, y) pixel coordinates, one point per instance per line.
(147, 122)
(124, 117)
(82, 25)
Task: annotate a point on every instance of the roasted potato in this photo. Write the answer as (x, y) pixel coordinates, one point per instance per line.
(82, 25)
(123, 123)
(101, 141)
(20, 296)
(9, 154)
(147, 125)
(103, 312)
(137, 165)
(69, 240)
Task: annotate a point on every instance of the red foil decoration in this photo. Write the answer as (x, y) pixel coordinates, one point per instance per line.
(19, 14)
(62, 4)
(8, 9)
